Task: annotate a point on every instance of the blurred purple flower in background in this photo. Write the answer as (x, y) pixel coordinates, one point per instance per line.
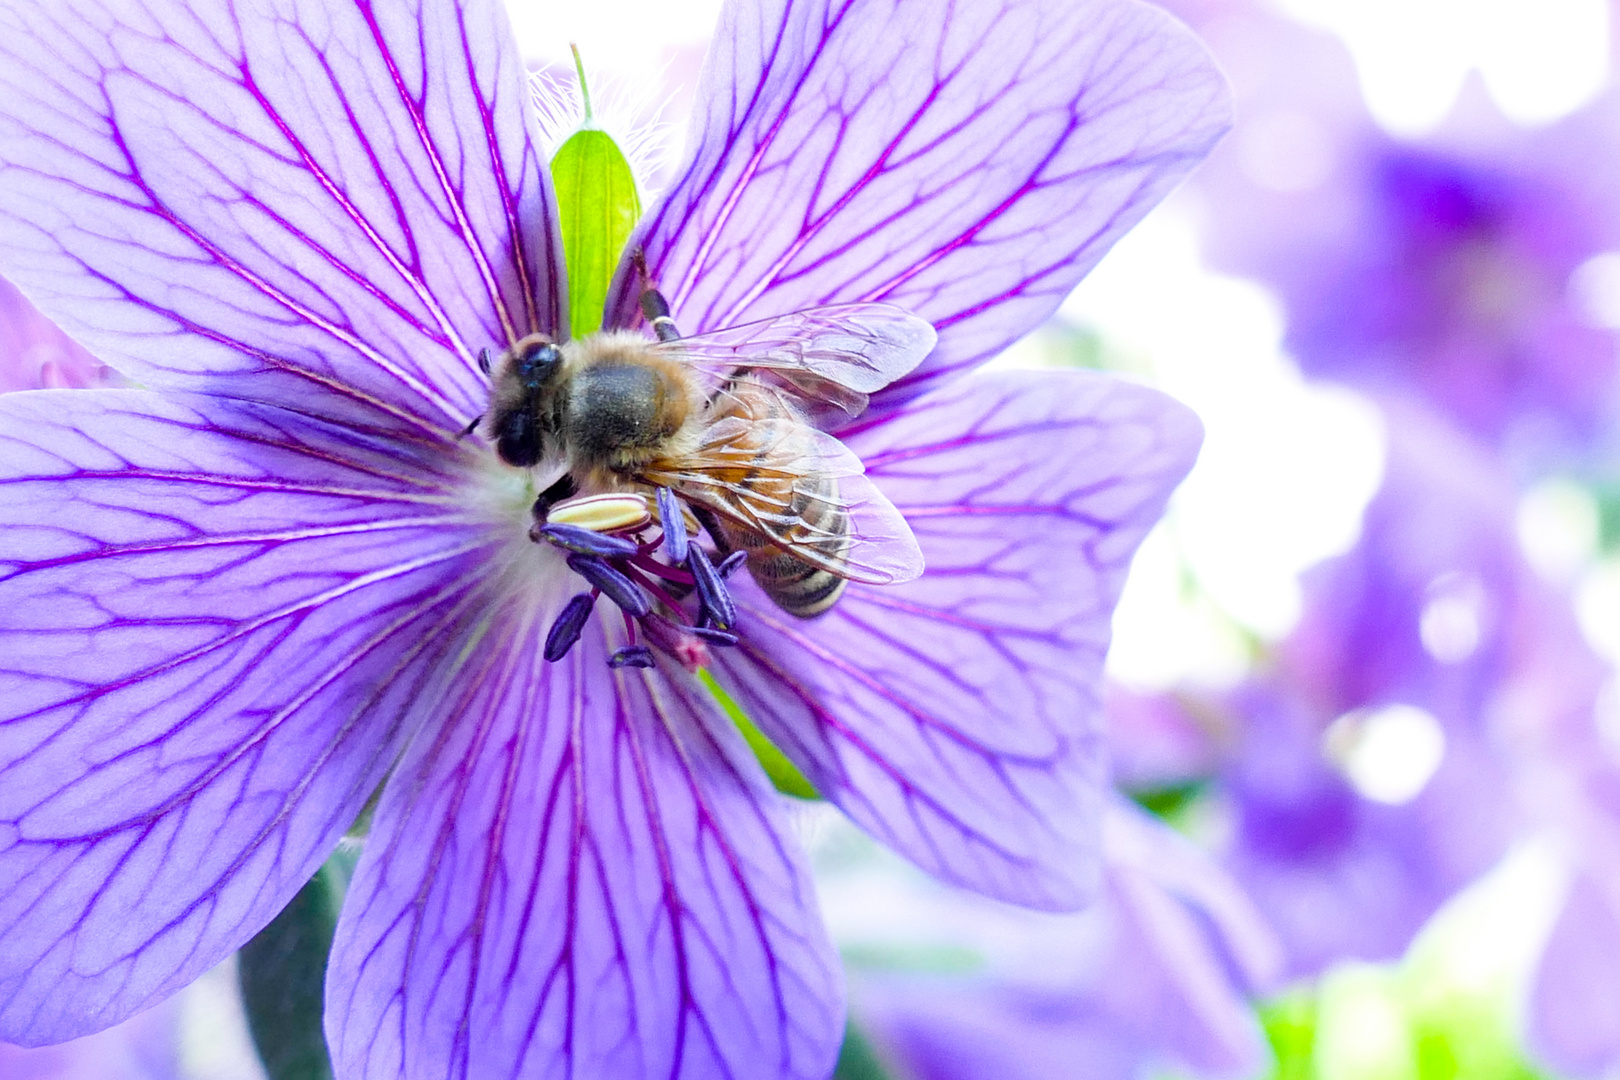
(239, 601)
(1460, 267)
(1437, 705)
(1157, 975)
(144, 1047)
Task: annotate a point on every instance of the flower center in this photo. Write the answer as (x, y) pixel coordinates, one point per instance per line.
(670, 590)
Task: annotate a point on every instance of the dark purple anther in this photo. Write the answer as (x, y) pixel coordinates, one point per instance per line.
(618, 588)
(711, 590)
(566, 630)
(669, 513)
(729, 564)
(713, 636)
(632, 656)
(589, 542)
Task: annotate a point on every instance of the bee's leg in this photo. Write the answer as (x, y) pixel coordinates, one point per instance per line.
(556, 493)
(653, 304)
(656, 308)
(711, 525)
(483, 360)
(470, 428)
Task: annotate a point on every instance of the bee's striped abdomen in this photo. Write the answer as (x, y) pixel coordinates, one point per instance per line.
(798, 587)
(808, 500)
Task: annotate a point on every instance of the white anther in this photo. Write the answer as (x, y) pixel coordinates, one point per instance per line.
(612, 513)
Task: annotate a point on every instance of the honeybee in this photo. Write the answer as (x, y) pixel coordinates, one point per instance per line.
(725, 421)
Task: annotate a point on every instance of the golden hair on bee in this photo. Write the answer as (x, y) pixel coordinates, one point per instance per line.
(621, 406)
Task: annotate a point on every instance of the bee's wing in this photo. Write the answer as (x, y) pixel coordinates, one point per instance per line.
(738, 477)
(853, 347)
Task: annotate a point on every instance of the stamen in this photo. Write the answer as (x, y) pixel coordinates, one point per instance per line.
(658, 569)
(620, 589)
(569, 625)
(674, 524)
(588, 542)
(612, 513)
(712, 594)
(638, 656)
(714, 636)
(729, 564)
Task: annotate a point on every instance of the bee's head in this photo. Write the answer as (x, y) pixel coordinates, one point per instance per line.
(535, 360)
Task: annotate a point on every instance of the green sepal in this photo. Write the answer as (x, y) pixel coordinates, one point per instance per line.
(282, 973)
(785, 776)
(598, 207)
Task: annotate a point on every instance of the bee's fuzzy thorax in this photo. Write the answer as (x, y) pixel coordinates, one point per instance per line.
(624, 405)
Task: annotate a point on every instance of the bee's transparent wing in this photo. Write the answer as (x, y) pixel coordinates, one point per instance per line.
(853, 347)
(746, 480)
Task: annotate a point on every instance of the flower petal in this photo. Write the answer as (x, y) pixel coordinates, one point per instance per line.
(958, 717)
(34, 353)
(326, 206)
(966, 162)
(584, 874)
(217, 622)
(1574, 1009)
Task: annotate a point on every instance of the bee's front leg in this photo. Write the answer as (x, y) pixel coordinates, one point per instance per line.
(653, 304)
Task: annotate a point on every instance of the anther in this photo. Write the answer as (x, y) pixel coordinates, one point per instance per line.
(632, 656)
(714, 636)
(729, 564)
(569, 625)
(674, 524)
(711, 590)
(587, 541)
(618, 588)
(611, 513)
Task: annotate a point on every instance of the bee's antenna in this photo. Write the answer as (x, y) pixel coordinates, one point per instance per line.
(472, 427)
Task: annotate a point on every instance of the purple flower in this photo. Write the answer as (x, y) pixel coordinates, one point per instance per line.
(1157, 975)
(1450, 267)
(238, 602)
(1426, 633)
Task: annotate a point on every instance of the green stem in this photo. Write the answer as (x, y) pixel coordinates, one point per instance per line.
(584, 91)
(282, 972)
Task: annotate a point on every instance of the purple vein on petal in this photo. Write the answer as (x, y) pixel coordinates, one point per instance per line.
(414, 109)
(220, 258)
(728, 205)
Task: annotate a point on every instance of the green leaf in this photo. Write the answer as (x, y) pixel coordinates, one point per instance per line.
(282, 972)
(783, 773)
(1290, 1025)
(598, 206)
(857, 1060)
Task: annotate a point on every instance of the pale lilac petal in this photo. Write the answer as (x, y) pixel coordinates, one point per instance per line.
(144, 1047)
(1574, 1016)
(967, 162)
(217, 621)
(958, 717)
(583, 874)
(1190, 946)
(34, 353)
(326, 206)
(1155, 977)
